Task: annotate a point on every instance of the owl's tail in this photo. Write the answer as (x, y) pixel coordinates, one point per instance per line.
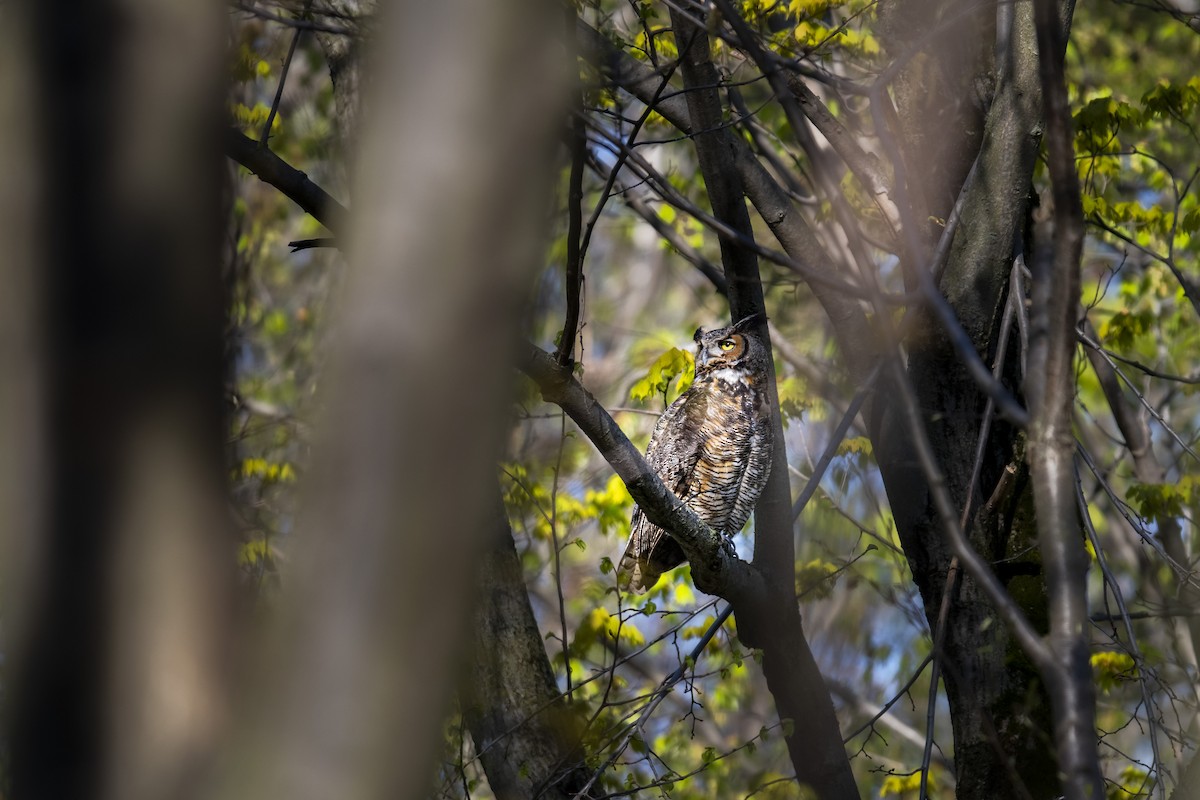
(636, 575)
(648, 555)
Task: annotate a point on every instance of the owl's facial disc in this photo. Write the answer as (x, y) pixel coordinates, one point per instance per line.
(717, 351)
(732, 348)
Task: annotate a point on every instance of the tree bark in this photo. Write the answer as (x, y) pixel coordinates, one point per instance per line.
(999, 705)
(355, 687)
(120, 587)
(990, 683)
(814, 738)
(344, 55)
(526, 736)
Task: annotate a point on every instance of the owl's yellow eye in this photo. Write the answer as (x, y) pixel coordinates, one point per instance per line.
(726, 344)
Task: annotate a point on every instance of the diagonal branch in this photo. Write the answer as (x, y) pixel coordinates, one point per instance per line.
(799, 102)
(294, 184)
(715, 568)
(791, 672)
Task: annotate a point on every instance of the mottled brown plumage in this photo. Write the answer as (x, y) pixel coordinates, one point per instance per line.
(712, 448)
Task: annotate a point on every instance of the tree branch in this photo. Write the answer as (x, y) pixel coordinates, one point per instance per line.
(792, 674)
(764, 192)
(1050, 385)
(294, 184)
(799, 103)
(577, 146)
(715, 568)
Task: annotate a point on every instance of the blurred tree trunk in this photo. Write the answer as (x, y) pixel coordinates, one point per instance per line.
(344, 55)
(526, 737)
(119, 557)
(355, 690)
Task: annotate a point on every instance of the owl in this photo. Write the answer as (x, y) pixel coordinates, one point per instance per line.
(712, 448)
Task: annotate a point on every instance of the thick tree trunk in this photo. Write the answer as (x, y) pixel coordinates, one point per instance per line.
(526, 736)
(357, 684)
(118, 590)
(813, 738)
(999, 707)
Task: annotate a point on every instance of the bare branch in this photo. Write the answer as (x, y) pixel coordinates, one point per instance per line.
(1050, 388)
(799, 102)
(283, 73)
(577, 147)
(299, 24)
(294, 184)
(770, 200)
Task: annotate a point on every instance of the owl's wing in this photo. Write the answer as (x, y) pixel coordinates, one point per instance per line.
(673, 452)
(754, 475)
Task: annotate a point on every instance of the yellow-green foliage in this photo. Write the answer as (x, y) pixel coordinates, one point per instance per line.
(252, 119)
(266, 471)
(1112, 668)
(1132, 783)
(675, 365)
(794, 398)
(1154, 500)
(255, 552)
(905, 786)
(815, 579)
(598, 625)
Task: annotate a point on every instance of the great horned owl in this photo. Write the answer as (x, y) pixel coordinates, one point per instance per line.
(712, 448)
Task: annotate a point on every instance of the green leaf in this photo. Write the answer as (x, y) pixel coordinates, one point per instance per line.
(794, 398)
(1111, 669)
(1154, 500)
(671, 365)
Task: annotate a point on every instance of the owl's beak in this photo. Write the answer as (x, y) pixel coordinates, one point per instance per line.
(701, 357)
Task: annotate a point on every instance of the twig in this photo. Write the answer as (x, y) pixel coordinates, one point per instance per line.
(577, 145)
(562, 606)
(287, 65)
(1094, 344)
(658, 696)
(835, 440)
(888, 705)
(307, 25)
(1114, 585)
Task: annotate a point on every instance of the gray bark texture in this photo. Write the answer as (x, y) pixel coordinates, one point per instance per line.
(526, 736)
(344, 56)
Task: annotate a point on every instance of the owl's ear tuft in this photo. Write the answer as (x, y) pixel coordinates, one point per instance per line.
(746, 323)
(696, 336)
